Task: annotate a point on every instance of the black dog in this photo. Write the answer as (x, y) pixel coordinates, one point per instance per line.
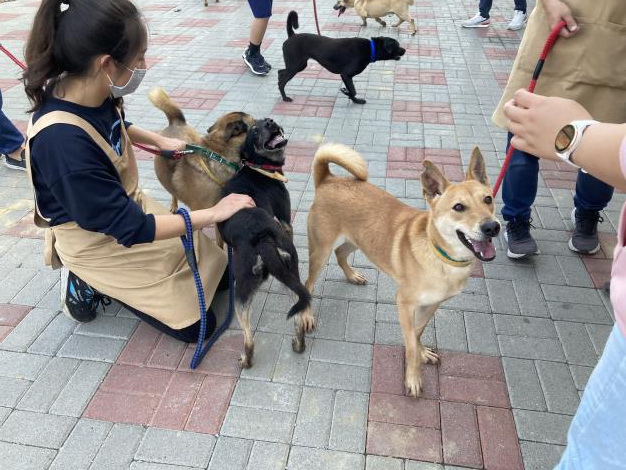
(261, 237)
(346, 56)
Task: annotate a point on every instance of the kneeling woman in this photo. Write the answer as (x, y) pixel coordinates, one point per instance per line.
(82, 57)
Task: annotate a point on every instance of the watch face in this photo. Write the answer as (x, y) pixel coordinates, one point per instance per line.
(564, 138)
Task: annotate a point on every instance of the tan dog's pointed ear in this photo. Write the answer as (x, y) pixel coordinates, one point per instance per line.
(477, 169)
(434, 183)
(235, 128)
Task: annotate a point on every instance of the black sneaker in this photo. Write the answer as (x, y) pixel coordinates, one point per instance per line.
(80, 301)
(256, 63)
(15, 164)
(520, 242)
(585, 236)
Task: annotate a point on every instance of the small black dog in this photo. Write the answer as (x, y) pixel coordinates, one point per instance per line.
(261, 237)
(345, 56)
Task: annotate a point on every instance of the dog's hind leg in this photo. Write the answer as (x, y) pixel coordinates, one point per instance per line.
(380, 22)
(174, 205)
(242, 310)
(342, 252)
(287, 74)
(400, 21)
(364, 21)
(350, 91)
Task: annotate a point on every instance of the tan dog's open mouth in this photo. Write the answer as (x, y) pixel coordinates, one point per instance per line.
(484, 249)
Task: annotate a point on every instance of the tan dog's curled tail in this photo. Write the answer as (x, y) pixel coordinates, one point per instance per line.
(341, 155)
(162, 100)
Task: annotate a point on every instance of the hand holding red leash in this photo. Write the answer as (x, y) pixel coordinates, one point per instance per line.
(558, 11)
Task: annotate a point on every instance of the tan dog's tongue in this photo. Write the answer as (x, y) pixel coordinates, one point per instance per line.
(485, 247)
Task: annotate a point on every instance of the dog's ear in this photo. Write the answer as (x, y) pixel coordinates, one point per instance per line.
(235, 128)
(477, 169)
(434, 183)
(210, 129)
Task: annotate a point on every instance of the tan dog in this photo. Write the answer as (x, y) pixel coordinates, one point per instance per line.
(429, 254)
(206, 2)
(186, 179)
(377, 8)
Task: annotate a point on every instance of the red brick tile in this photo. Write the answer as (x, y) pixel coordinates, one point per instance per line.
(16, 35)
(177, 403)
(397, 409)
(210, 408)
(167, 353)
(471, 366)
(496, 33)
(136, 380)
(165, 39)
(13, 314)
(193, 98)
(407, 170)
(230, 343)
(225, 9)
(407, 442)
(6, 83)
(157, 8)
(25, 228)
(430, 381)
(225, 66)
(599, 270)
(388, 370)
(498, 438)
(216, 361)
(199, 23)
(608, 241)
(478, 392)
(416, 111)
(501, 77)
(499, 53)
(459, 433)
(8, 16)
(420, 76)
(140, 346)
(308, 106)
(422, 50)
(560, 184)
(121, 408)
(242, 43)
(343, 27)
(5, 331)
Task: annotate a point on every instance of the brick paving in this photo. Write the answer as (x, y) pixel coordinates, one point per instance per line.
(517, 346)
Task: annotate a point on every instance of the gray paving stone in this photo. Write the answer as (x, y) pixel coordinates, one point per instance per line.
(342, 352)
(546, 266)
(136, 465)
(13, 284)
(28, 330)
(24, 427)
(20, 365)
(4, 413)
(524, 326)
(522, 380)
(252, 423)
(360, 324)
(47, 387)
(119, 447)
(375, 462)
(576, 343)
(19, 457)
(450, 330)
(578, 312)
(599, 335)
(415, 465)
(92, 348)
(558, 387)
(291, 367)
(331, 321)
(108, 327)
(548, 349)
(36, 288)
(574, 271)
(82, 445)
(538, 426)
(268, 456)
(230, 454)
(53, 337)
(349, 424)
(266, 352)
(468, 302)
(266, 395)
(176, 447)
(576, 295)
(538, 456)
(338, 376)
(305, 458)
(481, 334)
(388, 333)
(315, 416)
(12, 390)
(501, 296)
(530, 298)
(79, 389)
(501, 271)
(345, 290)
(581, 375)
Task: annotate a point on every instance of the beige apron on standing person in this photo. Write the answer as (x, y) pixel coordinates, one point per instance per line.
(589, 67)
(153, 278)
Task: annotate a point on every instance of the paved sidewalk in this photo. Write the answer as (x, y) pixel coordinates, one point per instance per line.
(517, 346)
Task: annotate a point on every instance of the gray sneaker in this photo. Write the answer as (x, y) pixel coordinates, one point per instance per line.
(520, 242)
(585, 236)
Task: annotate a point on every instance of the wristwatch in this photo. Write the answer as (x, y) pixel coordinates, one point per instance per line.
(569, 137)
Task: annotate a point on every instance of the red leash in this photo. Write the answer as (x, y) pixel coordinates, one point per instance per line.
(533, 82)
(317, 26)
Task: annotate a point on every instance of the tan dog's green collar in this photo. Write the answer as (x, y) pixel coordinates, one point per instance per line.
(446, 258)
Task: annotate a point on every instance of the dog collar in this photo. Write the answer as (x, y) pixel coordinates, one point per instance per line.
(372, 51)
(271, 171)
(211, 155)
(446, 258)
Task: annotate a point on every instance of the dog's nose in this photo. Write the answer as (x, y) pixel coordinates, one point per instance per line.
(490, 228)
(269, 122)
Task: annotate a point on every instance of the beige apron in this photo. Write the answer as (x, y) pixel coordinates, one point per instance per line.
(153, 278)
(589, 67)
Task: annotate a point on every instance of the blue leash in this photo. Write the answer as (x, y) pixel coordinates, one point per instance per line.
(190, 254)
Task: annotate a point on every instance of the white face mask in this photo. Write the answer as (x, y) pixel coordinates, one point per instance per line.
(131, 85)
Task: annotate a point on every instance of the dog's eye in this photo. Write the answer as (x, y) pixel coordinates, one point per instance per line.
(459, 207)
(488, 199)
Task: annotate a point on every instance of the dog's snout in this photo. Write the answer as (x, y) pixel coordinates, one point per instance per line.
(491, 228)
(269, 122)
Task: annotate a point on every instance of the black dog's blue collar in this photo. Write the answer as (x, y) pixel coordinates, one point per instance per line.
(372, 51)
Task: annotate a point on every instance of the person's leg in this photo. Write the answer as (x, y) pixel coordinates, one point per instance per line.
(262, 11)
(519, 16)
(484, 7)
(520, 5)
(598, 431)
(519, 189)
(480, 19)
(592, 195)
(11, 138)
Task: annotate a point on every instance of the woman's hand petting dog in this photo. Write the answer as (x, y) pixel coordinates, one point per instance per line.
(230, 205)
(169, 144)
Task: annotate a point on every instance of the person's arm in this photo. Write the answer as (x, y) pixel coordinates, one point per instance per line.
(558, 11)
(142, 136)
(535, 121)
(173, 225)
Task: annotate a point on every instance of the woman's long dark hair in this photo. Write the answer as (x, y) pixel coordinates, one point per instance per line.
(66, 40)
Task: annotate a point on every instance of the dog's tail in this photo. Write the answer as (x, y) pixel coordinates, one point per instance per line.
(282, 263)
(292, 23)
(161, 100)
(341, 155)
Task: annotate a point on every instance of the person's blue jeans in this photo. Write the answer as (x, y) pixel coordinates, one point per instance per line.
(10, 138)
(484, 7)
(519, 188)
(597, 436)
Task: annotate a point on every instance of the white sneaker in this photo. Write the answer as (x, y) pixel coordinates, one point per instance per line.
(476, 21)
(518, 21)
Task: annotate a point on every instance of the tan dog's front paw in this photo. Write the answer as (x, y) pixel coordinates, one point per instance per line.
(307, 322)
(357, 278)
(413, 386)
(245, 361)
(429, 356)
